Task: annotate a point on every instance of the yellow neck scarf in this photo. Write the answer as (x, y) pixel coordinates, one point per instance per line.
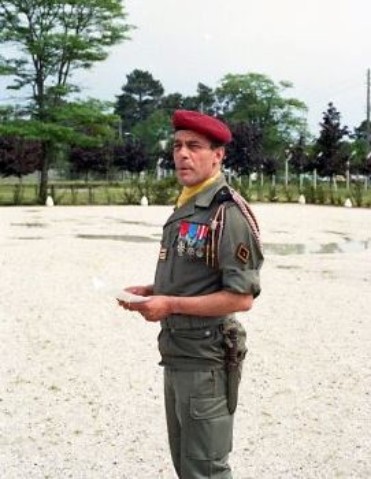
(189, 192)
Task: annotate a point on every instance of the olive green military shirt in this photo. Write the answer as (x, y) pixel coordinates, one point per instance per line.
(183, 268)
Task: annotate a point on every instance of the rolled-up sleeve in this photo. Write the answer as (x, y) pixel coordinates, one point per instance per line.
(239, 255)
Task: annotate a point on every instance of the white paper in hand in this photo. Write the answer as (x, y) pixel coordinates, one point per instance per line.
(130, 297)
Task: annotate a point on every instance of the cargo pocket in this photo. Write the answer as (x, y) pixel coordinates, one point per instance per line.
(210, 428)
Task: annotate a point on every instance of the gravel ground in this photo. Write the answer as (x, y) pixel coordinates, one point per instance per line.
(80, 386)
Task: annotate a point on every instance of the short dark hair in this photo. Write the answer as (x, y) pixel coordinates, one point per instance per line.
(216, 144)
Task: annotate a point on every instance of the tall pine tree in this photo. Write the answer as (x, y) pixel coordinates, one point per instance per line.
(329, 147)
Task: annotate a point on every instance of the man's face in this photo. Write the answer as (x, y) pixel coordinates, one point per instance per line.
(195, 158)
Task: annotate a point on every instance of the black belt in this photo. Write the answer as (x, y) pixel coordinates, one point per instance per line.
(175, 322)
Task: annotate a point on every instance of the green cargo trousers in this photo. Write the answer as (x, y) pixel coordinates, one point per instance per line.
(200, 427)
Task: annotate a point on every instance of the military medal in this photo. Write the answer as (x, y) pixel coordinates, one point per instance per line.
(201, 240)
(190, 251)
(181, 247)
(182, 241)
(192, 239)
(200, 251)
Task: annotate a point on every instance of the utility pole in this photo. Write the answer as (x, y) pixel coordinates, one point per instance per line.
(368, 132)
(368, 129)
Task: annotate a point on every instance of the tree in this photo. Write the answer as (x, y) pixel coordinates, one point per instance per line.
(367, 165)
(55, 38)
(203, 101)
(298, 156)
(90, 159)
(91, 121)
(150, 132)
(254, 98)
(141, 96)
(130, 156)
(244, 153)
(19, 156)
(172, 102)
(6, 113)
(330, 150)
(84, 124)
(206, 99)
(360, 157)
(363, 131)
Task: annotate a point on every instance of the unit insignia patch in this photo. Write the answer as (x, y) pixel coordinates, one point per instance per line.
(242, 253)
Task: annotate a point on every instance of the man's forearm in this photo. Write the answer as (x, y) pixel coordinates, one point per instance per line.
(215, 304)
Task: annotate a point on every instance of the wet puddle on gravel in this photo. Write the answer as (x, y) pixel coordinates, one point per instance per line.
(127, 238)
(286, 249)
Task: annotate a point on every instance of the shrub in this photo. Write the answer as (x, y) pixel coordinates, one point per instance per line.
(321, 195)
(357, 197)
(289, 194)
(165, 191)
(273, 197)
(310, 194)
(130, 196)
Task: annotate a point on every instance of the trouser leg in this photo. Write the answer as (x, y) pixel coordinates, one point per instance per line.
(173, 420)
(199, 423)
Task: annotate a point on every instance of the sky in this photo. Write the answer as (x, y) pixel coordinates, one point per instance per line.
(323, 47)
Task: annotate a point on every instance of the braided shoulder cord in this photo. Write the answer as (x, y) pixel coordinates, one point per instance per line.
(218, 224)
(248, 214)
(221, 223)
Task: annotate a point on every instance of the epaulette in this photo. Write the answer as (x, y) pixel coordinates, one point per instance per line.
(223, 195)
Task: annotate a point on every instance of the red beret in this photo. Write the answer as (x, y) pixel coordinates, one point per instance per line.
(206, 125)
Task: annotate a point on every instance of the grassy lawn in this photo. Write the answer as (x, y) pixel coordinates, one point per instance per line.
(164, 192)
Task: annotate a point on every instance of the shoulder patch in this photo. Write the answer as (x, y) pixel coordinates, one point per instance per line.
(242, 253)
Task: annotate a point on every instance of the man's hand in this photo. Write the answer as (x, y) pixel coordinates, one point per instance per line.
(141, 290)
(155, 309)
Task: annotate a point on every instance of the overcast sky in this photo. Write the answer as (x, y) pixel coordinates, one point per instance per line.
(322, 46)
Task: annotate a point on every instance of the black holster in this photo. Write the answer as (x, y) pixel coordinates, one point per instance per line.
(235, 351)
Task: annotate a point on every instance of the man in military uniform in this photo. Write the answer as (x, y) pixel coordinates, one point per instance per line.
(208, 269)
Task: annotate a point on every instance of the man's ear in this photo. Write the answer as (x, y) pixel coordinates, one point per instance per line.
(220, 154)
